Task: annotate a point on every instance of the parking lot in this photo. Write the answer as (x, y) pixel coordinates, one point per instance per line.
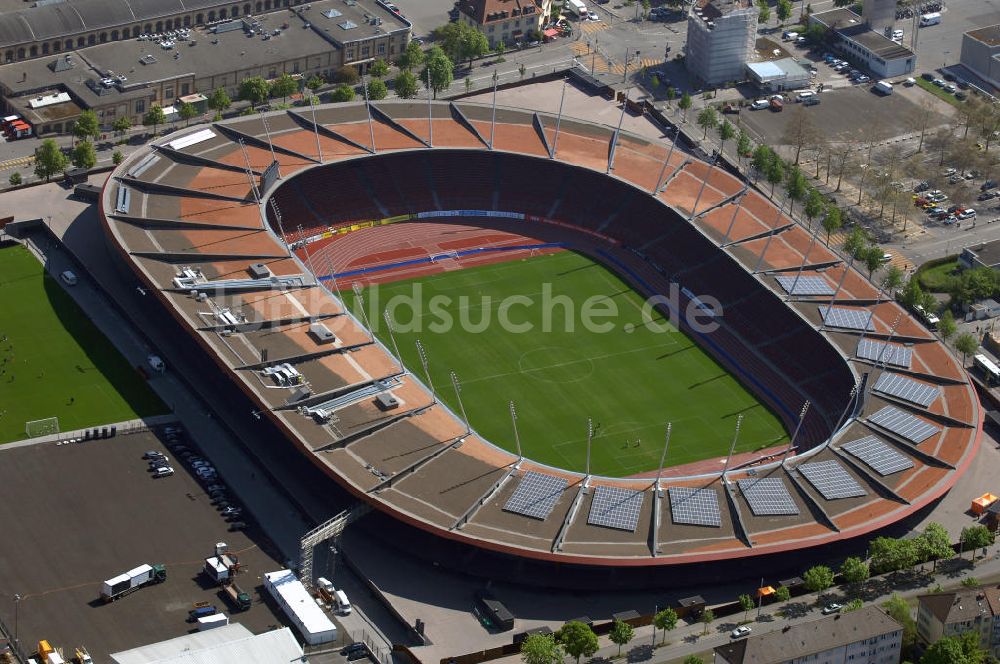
(77, 514)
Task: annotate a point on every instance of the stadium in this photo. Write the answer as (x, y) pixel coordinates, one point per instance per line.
(812, 410)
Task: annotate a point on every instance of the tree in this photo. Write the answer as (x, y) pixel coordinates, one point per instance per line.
(761, 159)
(379, 68)
(853, 605)
(746, 603)
(920, 119)
(87, 126)
(666, 620)
(782, 594)
(743, 145)
(726, 133)
(153, 117)
(976, 537)
(815, 205)
(684, 104)
(899, 610)
(947, 326)
(84, 155)
(784, 11)
(817, 578)
(15, 179)
(121, 125)
(693, 659)
(461, 41)
(975, 284)
(284, 86)
(890, 555)
(377, 89)
(254, 90)
(775, 173)
(873, 258)
(621, 633)
(541, 649)
(970, 582)
(412, 57)
(912, 294)
(342, 93)
(315, 83)
(671, 94)
(406, 85)
(966, 344)
(832, 222)
(708, 118)
(219, 101)
(49, 159)
(186, 111)
(707, 616)
(441, 70)
(763, 11)
(962, 649)
(800, 130)
(935, 544)
(856, 243)
(348, 75)
(854, 570)
(577, 639)
(500, 49)
(796, 186)
(117, 157)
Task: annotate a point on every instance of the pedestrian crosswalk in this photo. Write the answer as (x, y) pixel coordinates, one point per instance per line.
(17, 163)
(590, 27)
(619, 68)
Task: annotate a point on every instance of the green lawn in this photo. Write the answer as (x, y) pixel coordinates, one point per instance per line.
(51, 353)
(631, 380)
(940, 278)
(940, 93)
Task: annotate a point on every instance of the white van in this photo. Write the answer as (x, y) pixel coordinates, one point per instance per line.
(885, 87)
(343, 604)
(805, 94)
(68, 278)
(156, 363)
(930, 19)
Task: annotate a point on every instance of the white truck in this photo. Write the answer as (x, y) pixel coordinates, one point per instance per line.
(930, 19)
(132, 580)
(578, 8)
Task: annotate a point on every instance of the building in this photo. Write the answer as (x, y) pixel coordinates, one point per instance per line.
(984, 254)
(507, 21)
(232, 644)
(778, 75)
(967, 610)
(981, 53)
(862, 46)
(721, 38)
(127, 78)
(48, 28)
(865, 636)
(879, 15)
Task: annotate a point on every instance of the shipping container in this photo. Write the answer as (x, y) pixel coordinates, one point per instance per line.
(300, 607)
(212, 621)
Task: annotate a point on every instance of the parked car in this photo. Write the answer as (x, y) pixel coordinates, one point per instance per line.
(989, 184)
(69, 278)
(238, 525)
(938, 82)
(740, 632)
(967, 213)
(922, 186)
(833, 607)
(986, 195)
(759, 104)
(165, 471)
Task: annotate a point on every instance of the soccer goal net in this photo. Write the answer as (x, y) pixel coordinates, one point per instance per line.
(45, 427)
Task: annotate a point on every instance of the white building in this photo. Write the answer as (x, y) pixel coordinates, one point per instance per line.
(779, 75)
(865, 636)
(860, 45)
(720, 40)
(232, 644)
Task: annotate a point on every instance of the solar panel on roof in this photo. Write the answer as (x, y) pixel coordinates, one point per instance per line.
(615, 507)
(882, 458)
(831, 480)
(536, 495)
(767, 496)
(805, 285)
(907, 389)
(696, 507)
(904, 424)
(849, 319)
(885, 353)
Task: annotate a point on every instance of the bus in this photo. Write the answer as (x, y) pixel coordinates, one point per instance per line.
(989, 369)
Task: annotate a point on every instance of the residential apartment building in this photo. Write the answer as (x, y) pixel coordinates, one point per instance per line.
(720, 40)
(507, 21)
(865, 636)
(862, 46)
(967, 610)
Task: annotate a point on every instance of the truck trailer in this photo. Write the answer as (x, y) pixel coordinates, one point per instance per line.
(578, 8)
(132, 580)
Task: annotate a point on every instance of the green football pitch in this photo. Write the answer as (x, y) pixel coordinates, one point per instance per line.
(54, 362)
(630, 379)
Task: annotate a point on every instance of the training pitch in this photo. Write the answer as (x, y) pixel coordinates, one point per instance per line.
(631, 376)
(54, 362)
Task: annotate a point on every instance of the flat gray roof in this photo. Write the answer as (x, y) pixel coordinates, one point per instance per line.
(231, 51)
(988, 253)
(881, 45)
(990, 35)
(360, 13)
(838, 18)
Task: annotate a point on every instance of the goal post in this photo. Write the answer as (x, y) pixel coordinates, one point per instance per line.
(43, 427)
